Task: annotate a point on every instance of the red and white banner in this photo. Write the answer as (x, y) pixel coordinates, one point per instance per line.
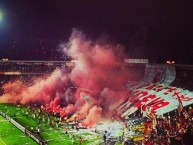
(158, 98)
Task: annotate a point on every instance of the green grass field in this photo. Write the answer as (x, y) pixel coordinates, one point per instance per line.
(2, 142)
(10, 135)
(52, 135)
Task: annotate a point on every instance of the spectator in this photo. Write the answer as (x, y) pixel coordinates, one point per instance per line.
(80, 141)
(104, 138)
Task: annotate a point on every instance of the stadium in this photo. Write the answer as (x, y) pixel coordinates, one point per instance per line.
(96, 72)
(156, 96)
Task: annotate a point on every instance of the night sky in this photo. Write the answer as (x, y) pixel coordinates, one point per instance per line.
(153, 29)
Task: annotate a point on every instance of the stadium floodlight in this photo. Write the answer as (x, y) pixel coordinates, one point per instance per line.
(170, 62)
(1, 16)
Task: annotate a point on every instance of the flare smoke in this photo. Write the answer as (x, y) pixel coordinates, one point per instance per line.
(91, 90)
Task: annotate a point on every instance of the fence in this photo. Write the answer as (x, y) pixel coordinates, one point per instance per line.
(23, 129)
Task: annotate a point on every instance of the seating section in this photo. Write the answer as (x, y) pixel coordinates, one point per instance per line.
(184, 79)
(159, 73)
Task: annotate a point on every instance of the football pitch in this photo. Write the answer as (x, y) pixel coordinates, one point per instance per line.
(52, 134)
(2, 142)
(10, 135)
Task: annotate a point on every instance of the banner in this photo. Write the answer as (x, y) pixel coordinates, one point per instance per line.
(157, 97)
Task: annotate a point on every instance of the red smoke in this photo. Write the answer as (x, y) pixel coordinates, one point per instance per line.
(92, 90)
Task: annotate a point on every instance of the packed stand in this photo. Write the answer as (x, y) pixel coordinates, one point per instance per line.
(184, 79)
(170, 129)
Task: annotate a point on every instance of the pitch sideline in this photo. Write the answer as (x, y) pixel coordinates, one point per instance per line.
(2, 142)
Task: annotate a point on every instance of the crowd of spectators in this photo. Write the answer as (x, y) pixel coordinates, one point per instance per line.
(184, 79)
(171, 129)
(28, 68)
(27, 71)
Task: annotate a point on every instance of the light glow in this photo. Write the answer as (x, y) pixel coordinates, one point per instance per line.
(1, 16)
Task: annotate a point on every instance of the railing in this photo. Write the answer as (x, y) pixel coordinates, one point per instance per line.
(23, 129)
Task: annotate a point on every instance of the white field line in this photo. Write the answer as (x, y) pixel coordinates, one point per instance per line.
(3, 142)
(4, 121)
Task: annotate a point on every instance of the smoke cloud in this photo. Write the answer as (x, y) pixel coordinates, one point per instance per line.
(91, 90)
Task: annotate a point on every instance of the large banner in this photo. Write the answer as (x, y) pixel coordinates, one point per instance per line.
(156, 98)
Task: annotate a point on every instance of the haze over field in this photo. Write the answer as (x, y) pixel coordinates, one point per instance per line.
(92, 90)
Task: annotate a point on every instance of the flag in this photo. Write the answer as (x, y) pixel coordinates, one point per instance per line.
(149, 113)
(143, 111)
(180, 105)
(154, 121)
